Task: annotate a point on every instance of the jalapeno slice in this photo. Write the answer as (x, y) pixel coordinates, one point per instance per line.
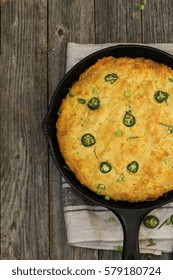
(129, 120)
(133, 166)
(88, 140)
(105, 167)
(100, 188)
(151, 221)
(94, 103)
(111, 78)
(161, 96)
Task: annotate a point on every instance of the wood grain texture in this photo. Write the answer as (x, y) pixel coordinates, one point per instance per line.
(24, 188)
(117, 21)
(68, 21)
(158, 22)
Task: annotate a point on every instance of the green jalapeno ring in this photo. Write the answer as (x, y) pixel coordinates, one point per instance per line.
(161, 96)
(151, 221)
(100, 188)
(111, 78)
(94, 103)
(129, 120)
(88, 140)
(133, 166)
(105, 167)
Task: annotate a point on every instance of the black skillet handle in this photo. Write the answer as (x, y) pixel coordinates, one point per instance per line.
(131, 220)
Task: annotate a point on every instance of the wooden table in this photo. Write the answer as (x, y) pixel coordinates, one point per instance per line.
(34, 35)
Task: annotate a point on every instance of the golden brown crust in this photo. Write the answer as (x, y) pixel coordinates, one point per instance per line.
(148, 142)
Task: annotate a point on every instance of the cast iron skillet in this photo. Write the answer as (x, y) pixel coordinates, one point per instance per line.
(129, 214)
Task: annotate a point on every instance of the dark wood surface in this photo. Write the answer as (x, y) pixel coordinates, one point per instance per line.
(33, 39)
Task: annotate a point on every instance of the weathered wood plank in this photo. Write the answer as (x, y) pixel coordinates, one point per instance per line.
(117, 21)
(68, 21)
(109, 255)
(24, 186)
(164, 256)
(158, 21)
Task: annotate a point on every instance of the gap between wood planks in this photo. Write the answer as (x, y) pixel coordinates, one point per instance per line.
(142, 27)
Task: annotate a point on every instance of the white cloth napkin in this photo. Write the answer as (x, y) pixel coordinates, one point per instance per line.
(91, 226)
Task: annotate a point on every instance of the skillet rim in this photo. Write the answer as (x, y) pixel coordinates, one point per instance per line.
(49, 127)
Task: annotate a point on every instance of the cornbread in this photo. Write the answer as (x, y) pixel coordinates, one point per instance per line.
(115, 129)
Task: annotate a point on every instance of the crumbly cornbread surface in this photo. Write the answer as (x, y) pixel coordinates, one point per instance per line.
(115, 129)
